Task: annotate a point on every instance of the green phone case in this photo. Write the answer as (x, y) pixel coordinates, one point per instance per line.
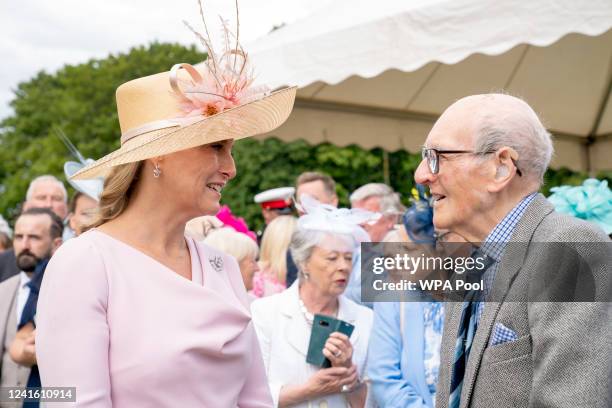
(322, 327)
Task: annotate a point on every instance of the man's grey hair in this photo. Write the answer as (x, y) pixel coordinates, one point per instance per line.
(389, 200)
(45, 179)
(519, 128)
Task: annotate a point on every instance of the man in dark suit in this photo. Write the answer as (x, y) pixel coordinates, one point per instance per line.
(484, 162)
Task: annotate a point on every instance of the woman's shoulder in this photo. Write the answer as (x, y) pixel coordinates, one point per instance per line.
(268, 302)
(83, 247)
(268, 306)
(78, 261)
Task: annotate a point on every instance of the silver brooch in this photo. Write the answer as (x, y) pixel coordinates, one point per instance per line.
(216, 263)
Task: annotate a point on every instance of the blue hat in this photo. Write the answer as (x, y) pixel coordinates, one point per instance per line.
(93, 187)
(418, 219)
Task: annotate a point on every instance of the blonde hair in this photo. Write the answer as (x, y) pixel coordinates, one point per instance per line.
(232, 243)
(118, 188)
(275, 243)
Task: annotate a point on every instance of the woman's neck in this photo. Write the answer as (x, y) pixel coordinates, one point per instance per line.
(317, 302)
(150, 224)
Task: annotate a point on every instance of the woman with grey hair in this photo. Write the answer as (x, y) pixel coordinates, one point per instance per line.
(322, 248)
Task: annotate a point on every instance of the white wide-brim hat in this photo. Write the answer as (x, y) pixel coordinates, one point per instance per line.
(153, 122)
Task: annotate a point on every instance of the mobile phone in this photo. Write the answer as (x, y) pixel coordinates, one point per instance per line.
(322, 327)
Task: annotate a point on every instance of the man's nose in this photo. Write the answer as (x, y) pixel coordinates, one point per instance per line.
(423, 175)
(26, 243)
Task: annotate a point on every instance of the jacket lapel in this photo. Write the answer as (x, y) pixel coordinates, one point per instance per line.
(452, 317)
(8, 309)
(511, 263)
(298, 330)
(348, 312)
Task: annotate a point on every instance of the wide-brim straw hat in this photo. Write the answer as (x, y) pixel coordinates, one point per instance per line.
(153, 123)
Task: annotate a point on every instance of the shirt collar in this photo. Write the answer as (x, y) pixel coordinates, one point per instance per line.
(495, 243)
(24, 279)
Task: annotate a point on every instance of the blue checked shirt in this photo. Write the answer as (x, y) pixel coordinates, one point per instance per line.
(495, 243)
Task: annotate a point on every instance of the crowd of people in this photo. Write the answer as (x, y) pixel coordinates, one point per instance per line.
(146, 292)
(306, 262)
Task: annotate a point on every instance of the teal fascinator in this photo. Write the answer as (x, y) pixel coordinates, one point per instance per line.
(592, 201)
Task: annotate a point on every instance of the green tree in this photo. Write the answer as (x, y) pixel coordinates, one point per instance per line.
(80, 100)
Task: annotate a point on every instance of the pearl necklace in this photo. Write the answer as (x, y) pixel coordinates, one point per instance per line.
(307, 315)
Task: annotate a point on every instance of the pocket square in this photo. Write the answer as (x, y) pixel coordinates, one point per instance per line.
(502, 334)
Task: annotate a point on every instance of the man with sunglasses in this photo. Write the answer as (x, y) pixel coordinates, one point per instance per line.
(484, 162)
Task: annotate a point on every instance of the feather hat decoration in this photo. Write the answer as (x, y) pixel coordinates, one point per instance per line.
(228, 79)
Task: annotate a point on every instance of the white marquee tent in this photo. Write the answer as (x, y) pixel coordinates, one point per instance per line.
(379, 73)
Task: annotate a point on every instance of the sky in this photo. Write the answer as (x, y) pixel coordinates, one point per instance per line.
(40, 35)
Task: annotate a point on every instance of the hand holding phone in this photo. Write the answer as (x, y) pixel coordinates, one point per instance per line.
(338, 350)
(322, 328)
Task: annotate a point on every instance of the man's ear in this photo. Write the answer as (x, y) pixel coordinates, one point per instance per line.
(56, 243)
(505, 170)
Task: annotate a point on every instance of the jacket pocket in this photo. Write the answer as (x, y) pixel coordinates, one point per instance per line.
(507, 351)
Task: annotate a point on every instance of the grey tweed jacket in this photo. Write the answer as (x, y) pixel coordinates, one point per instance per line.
(563, 354)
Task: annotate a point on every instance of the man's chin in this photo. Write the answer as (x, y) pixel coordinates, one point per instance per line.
(27, 267)
(440, 223)
(27, 264)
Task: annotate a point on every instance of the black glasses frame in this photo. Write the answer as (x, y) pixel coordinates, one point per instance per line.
(433, 157)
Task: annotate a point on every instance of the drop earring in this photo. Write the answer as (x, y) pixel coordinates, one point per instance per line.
(156, 171)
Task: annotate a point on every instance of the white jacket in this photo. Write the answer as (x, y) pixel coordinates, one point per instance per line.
(284, 335)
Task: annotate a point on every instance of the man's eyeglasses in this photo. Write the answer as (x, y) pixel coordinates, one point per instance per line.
(433, 157)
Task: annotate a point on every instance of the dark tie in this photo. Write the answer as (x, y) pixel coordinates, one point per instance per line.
(28, 314)
(467, 329)
(463, 344)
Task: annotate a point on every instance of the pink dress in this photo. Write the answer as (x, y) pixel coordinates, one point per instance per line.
(129, 332)
(265, 283)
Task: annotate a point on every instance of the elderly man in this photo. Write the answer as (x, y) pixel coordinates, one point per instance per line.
(381, 199)
(47, 192)
(37, 235)
(484, 161)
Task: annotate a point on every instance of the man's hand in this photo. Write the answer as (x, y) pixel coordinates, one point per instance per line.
(23, 348)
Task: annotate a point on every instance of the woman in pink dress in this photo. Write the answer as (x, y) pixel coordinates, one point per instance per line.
(133, 313)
